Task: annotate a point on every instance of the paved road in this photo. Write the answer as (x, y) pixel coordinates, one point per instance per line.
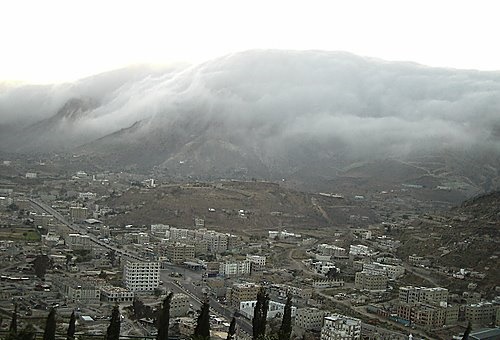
(77, 229)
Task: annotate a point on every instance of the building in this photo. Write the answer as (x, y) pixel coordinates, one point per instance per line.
(141, 276)
(159, 229)
(340, 327)
(87, 195)
(179, 252)
(392, 272)
(179, 306)
(31, 175)
(257, 262)
(483, 313)
(413, 295)
(78, 213)
(309, 318)
(234, 268)
(78, 241)
(331, 250)
(75, 290)
(359, 250)
(275, 309)
(372, 282)
(116, 294)
(241, 292)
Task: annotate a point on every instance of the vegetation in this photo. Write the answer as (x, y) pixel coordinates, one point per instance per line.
(202, 329)
(50, 326)
(164, 318)
(70, 335)
(40, 265)
(286, 324)
(232, 329)
(113, 331)
(260, 315)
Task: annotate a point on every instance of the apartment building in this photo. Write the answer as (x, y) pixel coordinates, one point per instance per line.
(141, 276)
(392, 272)
(309, 318)
(234, 268)
(75, 290)
(179, 252)
(332, 250)
(341, 327)
(482, 313)
(179, 306)
(372, 282)
(78, 241)
(414, 295)
(241, 292)
(116, 294)
(257, 262)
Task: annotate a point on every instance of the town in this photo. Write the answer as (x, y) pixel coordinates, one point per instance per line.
(368, 265)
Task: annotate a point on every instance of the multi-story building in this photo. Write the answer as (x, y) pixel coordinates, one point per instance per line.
(275, 309)
(179, 252)
(483, 313)
(241, 292)
(141, 276)
(159, 229)
(367, 281)
(234, 268)
(341, 327)
(429, 316)
(257, 262)
(359, 250)
(413, 295)
(332, 250)
(116, 294)
(78, 213)
(309, 318)
(75, 290)
(87, 195)
(179, 306)
(78, 241)
(392, 272)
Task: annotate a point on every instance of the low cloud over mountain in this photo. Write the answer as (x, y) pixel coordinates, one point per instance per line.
(263, 112)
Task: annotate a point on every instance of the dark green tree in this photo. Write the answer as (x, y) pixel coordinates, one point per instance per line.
(28, 333)
(40, 265)
(467, 331)
(164, 318)
(202, 329)
(232, 329)
(286, 324)
(113, 331)
(13, 322)
(70, 335)
(260, 315)
(50, 326)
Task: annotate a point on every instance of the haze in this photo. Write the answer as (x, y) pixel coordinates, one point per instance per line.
(55, 41)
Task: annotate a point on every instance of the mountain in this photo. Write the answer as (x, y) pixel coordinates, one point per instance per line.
(314, 118)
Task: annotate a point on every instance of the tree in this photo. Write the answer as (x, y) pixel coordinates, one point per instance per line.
(70, 335)
(260, 315)
(13, 322)
(202, 329)
(467, 331)
(50, 326)
(232, 329)
(286, 324)
(164, 318)
(28, 333)
(40, 265)
(113, 331)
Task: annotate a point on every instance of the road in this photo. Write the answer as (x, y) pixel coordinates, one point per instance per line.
(191, 283)
(77, 229)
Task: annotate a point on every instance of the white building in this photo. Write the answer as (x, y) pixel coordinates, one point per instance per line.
(341, 327)
(116, 294)
(159, 228)
(31, 175)
(234, 268)
(179, 306)
(392, 272)
(258, 262)
(87, 195)
(332, 250)
(275, 309)
(359, 250)
(78, 241)
(141, 276)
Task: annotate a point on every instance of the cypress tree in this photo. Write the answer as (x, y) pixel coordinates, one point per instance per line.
(232, 329)
(50, 326)
(286, 324)
(202, 329)
(28, 333)
(467, 331)
(70, 335)
(113, 331)
(260, 315)
(13, 322)
(164, 318)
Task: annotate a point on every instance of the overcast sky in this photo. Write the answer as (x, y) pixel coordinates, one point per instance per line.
(54, 41)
